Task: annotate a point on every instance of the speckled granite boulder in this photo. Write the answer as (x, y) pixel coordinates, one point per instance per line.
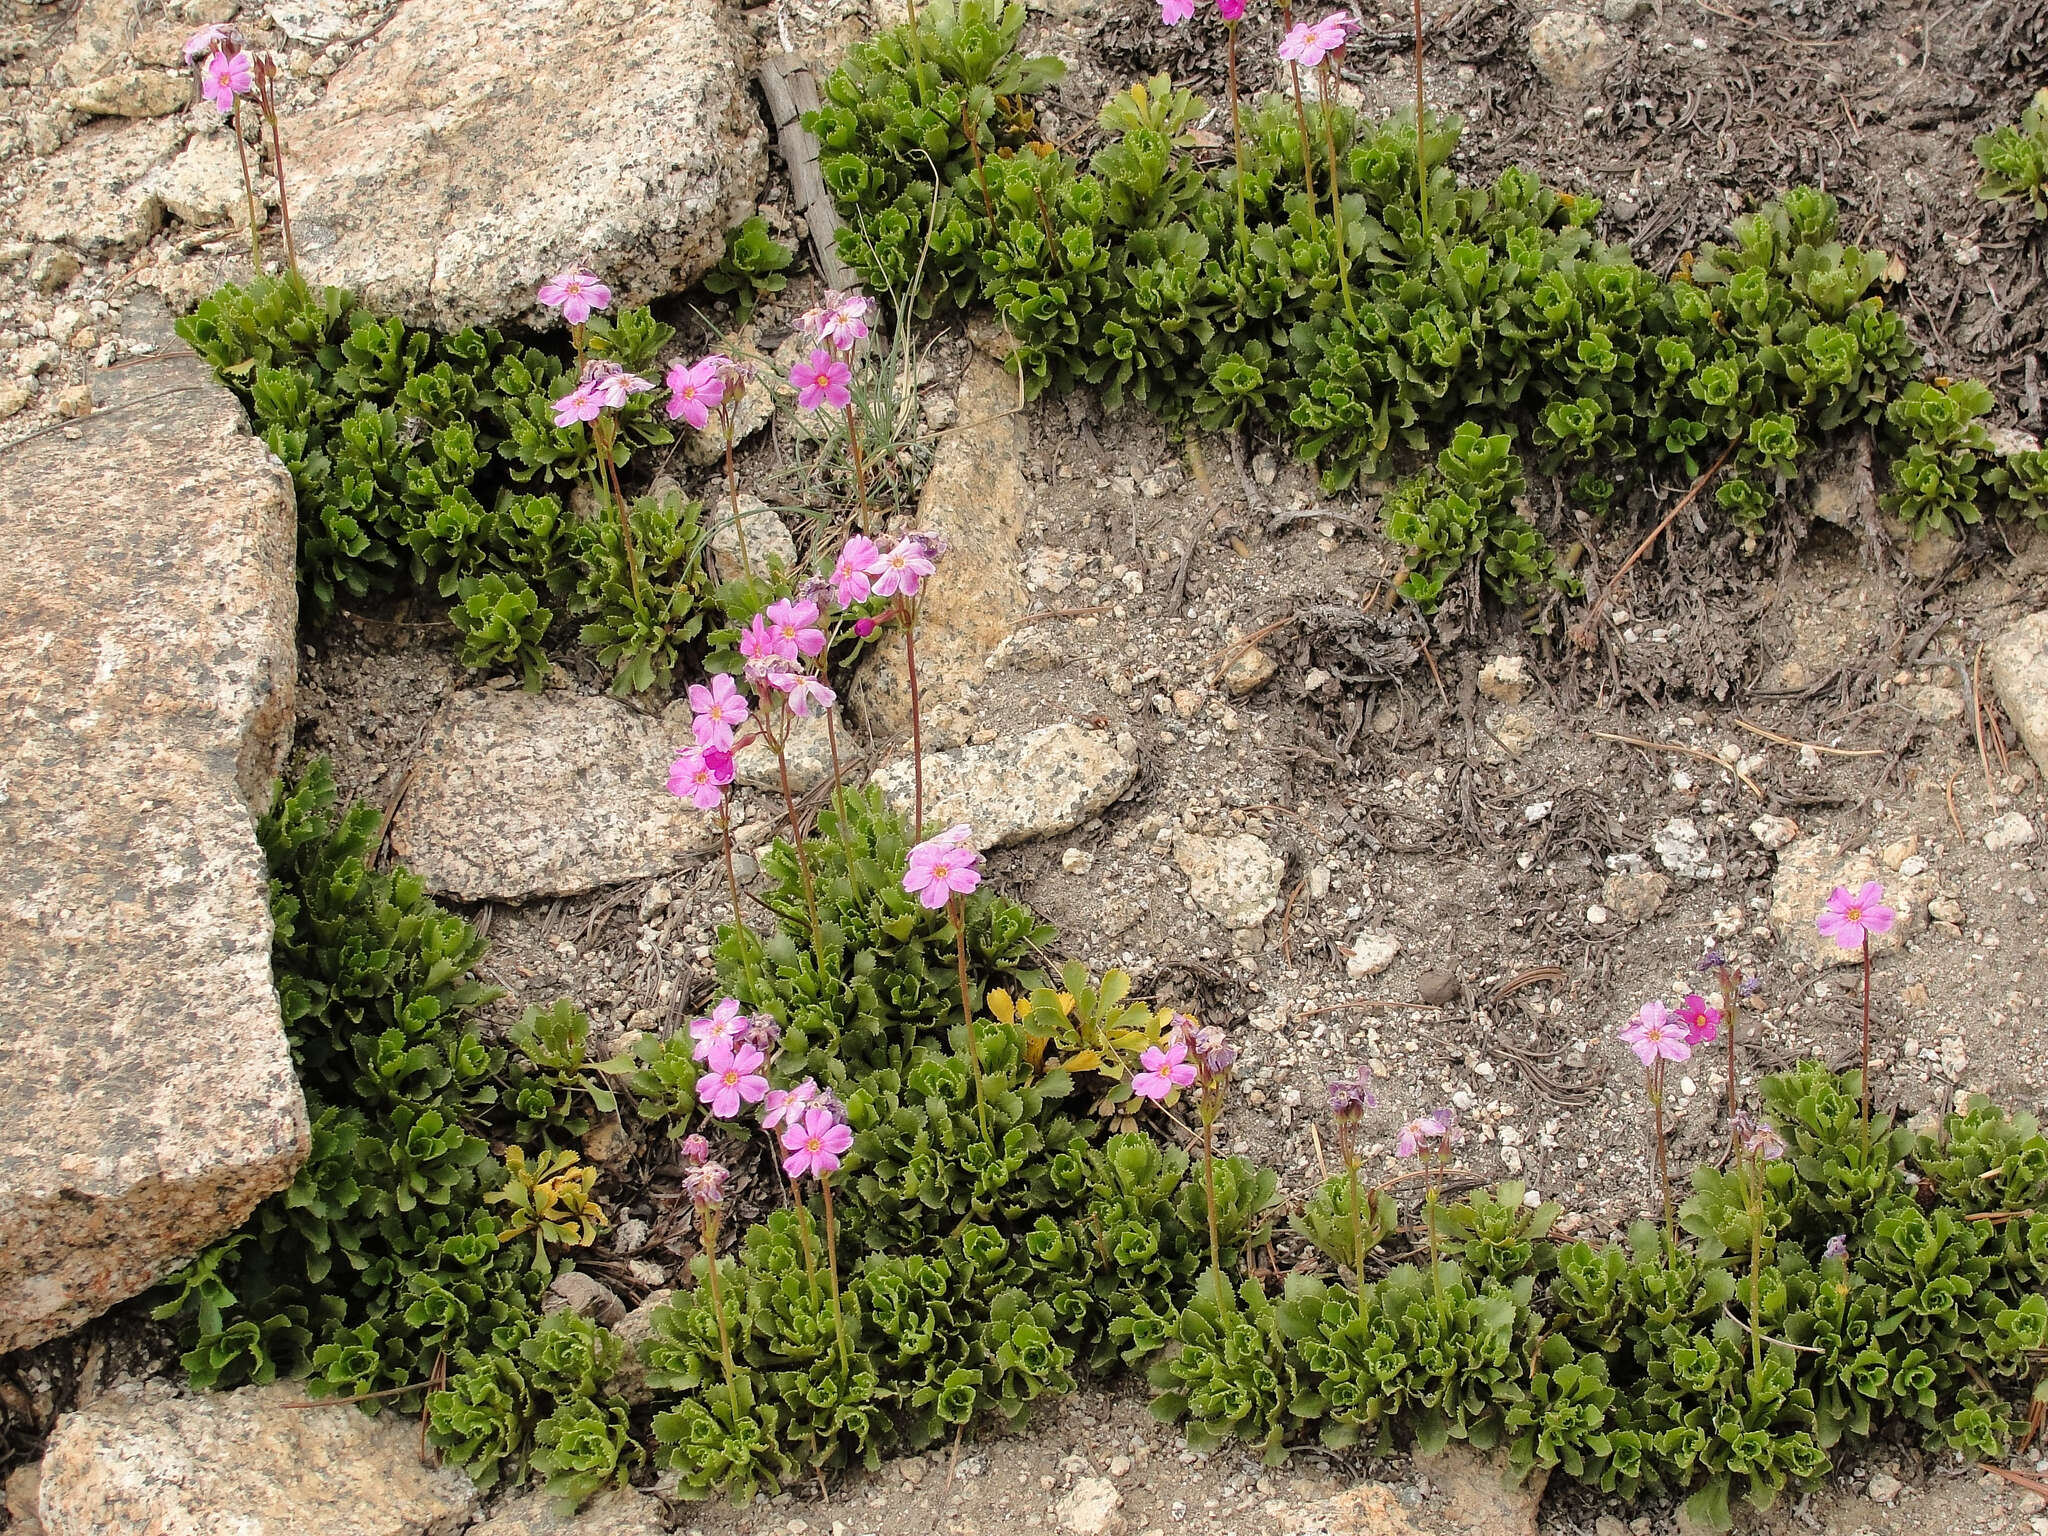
(1035, 785)
(516, 796)
(474, 147)
(618, 1512)
(147, 1098)
(150, 1461)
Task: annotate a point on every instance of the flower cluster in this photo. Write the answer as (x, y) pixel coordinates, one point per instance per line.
(943, 867)
(1308, 43)
(1657, 1034)
(226, 71)
(603, 386)
(824, 379)
(1434, 1133)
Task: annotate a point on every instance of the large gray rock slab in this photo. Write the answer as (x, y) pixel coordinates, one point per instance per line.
(1035, 785)
(2019, 672)
(976, 496)
(147, 1098)
(476, 147)
(516, 796)
(149, 1461)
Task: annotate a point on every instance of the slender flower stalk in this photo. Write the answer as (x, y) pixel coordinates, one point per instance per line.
(249, 189)
(1212, 1054)
(1850, 918)
(898, 571)
(1429, 1139)
(1309, 44)
(815, 1142)
(226, 74)
(1657, 1039)
(1236, 126)
(1421, 134)
(704, 1182)
(1349, 1100)
(1756, 1144)
(266, 97)
(1327, 77)
(776, 739)
(939, 873)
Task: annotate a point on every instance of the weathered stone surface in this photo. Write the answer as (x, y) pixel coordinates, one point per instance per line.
(1635, 895)
(202, 184)
(517, 795)
(1235, 879)
(1046, 781)
(635, 1330)
(614, 135)
(1477, 1496)
(1371, 952)
(1808, 872)
(620, 1512)
(756, 408)
(977, 499)
(147, 1098)
(2019, 673)
(132, 93)
(1089, 1508)
(1249, 671)
(94, 194)
(769, 542)
(808, 752)
(1571, 49)
(148, 1461)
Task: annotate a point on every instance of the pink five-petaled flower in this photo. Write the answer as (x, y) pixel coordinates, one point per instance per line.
(1654, 1035)
(840, 321)
(795, 624)
(700, 774)
(821, 380)
(786, 1106)
(1166, 1068)
(815, 1143)
(575, 293)
(901, 569)
(211, 38)
(1701, 1023)
(1851, 917)
(1174, 12)
(581, 404)
(1230, 10)
(224, 76)
(1309, 43)
(853, 572)
(693, 389)
(612, 385)
(1417, 1134)
(758, 643)
(716, 712)
(806, 695)
(723, 1025)
(943, 867)
(734, 1079)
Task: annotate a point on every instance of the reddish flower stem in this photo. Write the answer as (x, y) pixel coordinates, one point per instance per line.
(958, 913)
(916, 726)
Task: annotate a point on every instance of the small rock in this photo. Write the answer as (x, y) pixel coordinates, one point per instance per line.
(1248, 671)
(1944, 909)
(1896, 854)
(1933, 703)
(1514, 731)
(1597, 915)
(1119, 1466)
(1318, 882)
(1621, 12)
(23, 1494)
(1773, 832)
(911, 1469)
(1265, 469)
(74, 402)
(1089, 1507)
(1371, 952)
(14, 397)
(1505, 679)
(1437, 988)
(1635, 897)
(133, 93)
(634, 1330)
(1609, 1525)
(1039, 784)
(1234, 879)
(2012, 830)
(1077, 861)
(577, 1292)
(1186, 703)
(1883, 1488)
(2019, 674)
(1681, 849)
(1031, 649)
(1571, 50)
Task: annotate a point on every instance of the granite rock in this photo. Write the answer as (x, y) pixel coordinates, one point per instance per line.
(147, 1097)
(1808, 871)
(516, 796)
(1234, 879)
(617, 1512)
(1044, 782)
(94, 194)
(2019, 673)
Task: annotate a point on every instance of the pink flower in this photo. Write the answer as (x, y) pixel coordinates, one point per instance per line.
(758, 642)
(694, 1149)
(1230, 10)
(611, 384)
(806, 695)
(901, 569)
(1851, 919)
(796, 627)
(210, 39)
(840, 321)
(716, 712)
(580, 404)
(852, 579)
(734, 1079)
(1166, 1068)
(816, 1145)
(786, 1106)
(700, 775)
(1701, 1023)
(1654, 1035)
(693, 389)
(866, 626)
(1309, 43)
(821, 381)
(705, 1185)
(575, 293)
(725, 1025)
(943, 867)
(1436, 1126)
(225, 76)
(1174, 12)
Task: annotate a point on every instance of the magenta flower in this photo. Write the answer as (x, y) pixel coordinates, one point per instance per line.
(943, 867)
(700, 774)
(1230, 10)
(1166, 1068)
(580, 404)
(225, 76)
(716, 712)
(852, 572)
(575, 293)
(1309, 43)
(821, 381)
(724, 1025)
(213, 38)
(865, 626)
(785, 1106)
(1654, 1035)
(705, 1185)
(1851, 919)
(693, 389)
(1174, 12)
(901, 569)
(1436, 1126)
(734, 1079)
(1701, 1023)
(816, 1144)
(795, 625)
